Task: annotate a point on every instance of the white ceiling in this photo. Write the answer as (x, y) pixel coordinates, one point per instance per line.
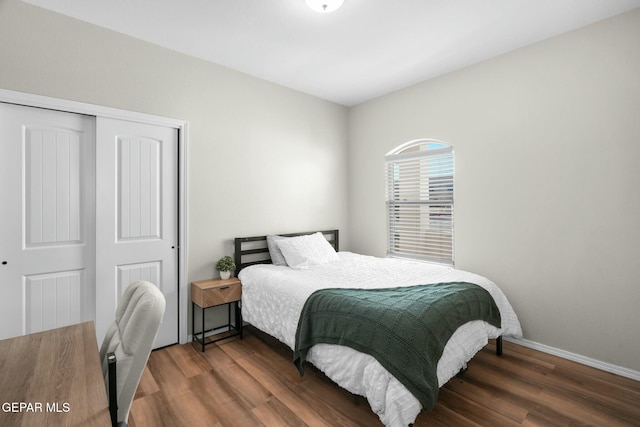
(365, 49)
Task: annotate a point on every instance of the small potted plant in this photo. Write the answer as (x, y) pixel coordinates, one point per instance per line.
(225, 266)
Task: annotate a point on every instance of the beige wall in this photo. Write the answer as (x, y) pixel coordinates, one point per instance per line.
(547, 147)
(262, 158)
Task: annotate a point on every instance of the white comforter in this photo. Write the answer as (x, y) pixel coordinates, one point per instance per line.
(273, 297)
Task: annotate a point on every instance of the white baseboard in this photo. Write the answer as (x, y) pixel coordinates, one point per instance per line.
(594, 363)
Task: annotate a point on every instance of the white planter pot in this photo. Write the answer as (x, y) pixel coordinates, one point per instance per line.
(225, 274)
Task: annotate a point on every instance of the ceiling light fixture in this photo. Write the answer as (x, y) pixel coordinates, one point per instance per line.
(324, 6)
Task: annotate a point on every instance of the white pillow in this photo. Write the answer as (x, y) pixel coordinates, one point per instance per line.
(274, 251)
(306, 251)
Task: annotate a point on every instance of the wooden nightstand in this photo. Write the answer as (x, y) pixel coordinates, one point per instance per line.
(212, 293)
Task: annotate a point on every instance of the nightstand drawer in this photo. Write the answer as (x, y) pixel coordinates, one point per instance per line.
(222, 295)
(209, 293)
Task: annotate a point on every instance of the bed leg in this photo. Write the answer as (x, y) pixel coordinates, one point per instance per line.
(464, 369)
(499, 345)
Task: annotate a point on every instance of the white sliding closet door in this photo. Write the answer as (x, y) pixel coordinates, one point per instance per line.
(47, 246)
(87, 206)
(136, 217)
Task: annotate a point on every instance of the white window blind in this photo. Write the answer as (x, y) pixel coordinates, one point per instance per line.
(420, 202)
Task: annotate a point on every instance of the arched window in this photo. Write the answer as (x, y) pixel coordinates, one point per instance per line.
(420, 201)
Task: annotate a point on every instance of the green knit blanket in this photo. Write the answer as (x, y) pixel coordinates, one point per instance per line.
(405, 329)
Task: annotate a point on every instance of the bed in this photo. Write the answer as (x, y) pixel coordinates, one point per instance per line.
(274, 294)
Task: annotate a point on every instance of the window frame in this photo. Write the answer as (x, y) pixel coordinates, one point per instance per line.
(420, 208)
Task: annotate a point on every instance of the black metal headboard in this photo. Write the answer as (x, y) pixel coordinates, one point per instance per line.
(254, 250)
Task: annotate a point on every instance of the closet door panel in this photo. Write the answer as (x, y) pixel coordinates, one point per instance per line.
(137, 217)
(139, 185)
(53, 186)
(65, 288)
(47, 248)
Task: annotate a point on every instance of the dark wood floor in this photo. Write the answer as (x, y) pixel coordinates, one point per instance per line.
(252, 382)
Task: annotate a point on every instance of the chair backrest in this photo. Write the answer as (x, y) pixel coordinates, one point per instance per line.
(131, 338)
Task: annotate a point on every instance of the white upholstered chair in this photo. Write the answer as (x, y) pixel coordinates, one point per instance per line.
(131, 338)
